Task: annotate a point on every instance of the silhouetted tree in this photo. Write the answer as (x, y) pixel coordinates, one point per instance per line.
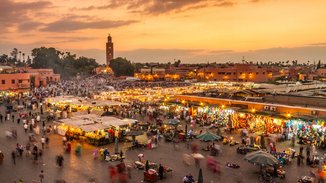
(319, 64)
(177, 63)
(64, 63)
(122, 67)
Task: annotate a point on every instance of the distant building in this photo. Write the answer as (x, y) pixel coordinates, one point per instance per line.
(150, 74)
(104, 70)
(181, 72)
(42, 76)
(319, 74)
(22, 78)
(236, 73)
(109, 50)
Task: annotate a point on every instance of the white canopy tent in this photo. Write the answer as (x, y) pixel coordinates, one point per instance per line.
(83, 101)
(93, 122)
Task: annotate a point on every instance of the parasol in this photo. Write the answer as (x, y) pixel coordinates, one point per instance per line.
(107, 113)
(261, 158)
(198, 156)
(134, 133)
(208, 136)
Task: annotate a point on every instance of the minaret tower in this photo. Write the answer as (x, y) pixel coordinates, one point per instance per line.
(109, 50)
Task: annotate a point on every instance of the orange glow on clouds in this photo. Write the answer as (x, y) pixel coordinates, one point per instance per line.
(202, 25)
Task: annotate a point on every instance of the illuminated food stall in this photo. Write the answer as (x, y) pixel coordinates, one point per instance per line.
(257, 122)
(70, 104)
(97, 130)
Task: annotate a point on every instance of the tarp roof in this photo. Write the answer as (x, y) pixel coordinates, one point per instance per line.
(83, 101)
(92, 122)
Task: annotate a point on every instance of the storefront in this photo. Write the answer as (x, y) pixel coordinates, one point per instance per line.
(257, 122)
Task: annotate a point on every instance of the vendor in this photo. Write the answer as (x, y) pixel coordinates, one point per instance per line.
(160, 171)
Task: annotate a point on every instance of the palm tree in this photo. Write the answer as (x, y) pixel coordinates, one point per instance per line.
(24, 57)
(29, 61)
(20, 55)
(4, 58)
(14, 53)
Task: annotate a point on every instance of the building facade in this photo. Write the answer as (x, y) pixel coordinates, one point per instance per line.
(23, 78)
(321, 74)
(150, 74)
(41, 77)
(236, 73)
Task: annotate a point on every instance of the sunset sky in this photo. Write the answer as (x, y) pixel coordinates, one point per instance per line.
(194, 31)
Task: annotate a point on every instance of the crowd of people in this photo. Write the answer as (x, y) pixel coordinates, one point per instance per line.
(89, 86)
(35, 123)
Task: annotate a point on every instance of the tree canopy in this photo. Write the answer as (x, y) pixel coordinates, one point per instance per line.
(64, 63)
(122, 67)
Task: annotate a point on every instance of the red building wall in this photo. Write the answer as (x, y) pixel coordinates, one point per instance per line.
(14, 81)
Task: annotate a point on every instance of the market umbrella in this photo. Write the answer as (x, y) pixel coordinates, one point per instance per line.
(200, 177)
(208, 136)
(261, 158)
(116, 146)
(106, 113)
(134, 133)
(198, 156)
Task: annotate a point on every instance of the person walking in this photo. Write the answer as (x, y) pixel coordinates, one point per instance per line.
(299, 157)
(13, 157)
(160, 172)
(78, 149)
(293, 140)
(28, 149)
(41, 176)
(1, 157)
(113, 173)
(308, 151)
(47, 141)
(43, 142)
(59, 160)
(121, 155)
(301, 150)
(25, 127)
(147, 166)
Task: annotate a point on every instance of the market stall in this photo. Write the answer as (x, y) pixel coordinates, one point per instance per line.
(75, 104)
(257, 122)
(95, 129)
